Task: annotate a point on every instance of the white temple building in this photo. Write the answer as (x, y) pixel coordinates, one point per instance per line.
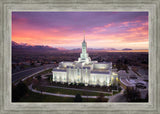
(85, 71)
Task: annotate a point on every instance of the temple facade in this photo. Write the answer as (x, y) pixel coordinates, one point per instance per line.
(85, 71)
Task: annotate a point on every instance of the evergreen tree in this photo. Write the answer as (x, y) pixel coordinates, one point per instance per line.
(78, 98)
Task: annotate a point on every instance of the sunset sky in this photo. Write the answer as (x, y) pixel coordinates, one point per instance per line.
(65, 29)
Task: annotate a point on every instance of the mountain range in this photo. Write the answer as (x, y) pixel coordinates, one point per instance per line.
(42, 48)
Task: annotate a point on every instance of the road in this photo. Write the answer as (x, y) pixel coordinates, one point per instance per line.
(118, 97)
(22, 74)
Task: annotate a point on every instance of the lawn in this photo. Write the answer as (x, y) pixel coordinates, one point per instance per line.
(46, 71)
(67, 91)
(28, 81)
(116, 92)
(36, 97)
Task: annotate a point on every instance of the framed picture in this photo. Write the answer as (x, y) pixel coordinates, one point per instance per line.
(80, 57)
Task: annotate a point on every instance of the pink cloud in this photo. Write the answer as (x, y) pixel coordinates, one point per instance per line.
(109, 25)
(100, 29)
(63, 36)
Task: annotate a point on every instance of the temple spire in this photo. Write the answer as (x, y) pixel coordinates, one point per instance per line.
(84, 36)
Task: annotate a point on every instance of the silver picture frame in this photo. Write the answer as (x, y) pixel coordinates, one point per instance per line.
(6, 9)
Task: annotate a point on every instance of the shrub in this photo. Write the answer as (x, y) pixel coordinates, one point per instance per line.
(18, 91)
(78, 98)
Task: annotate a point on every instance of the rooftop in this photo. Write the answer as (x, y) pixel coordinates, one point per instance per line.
(60, 70)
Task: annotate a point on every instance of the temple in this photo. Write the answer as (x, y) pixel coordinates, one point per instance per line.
(85, 71)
